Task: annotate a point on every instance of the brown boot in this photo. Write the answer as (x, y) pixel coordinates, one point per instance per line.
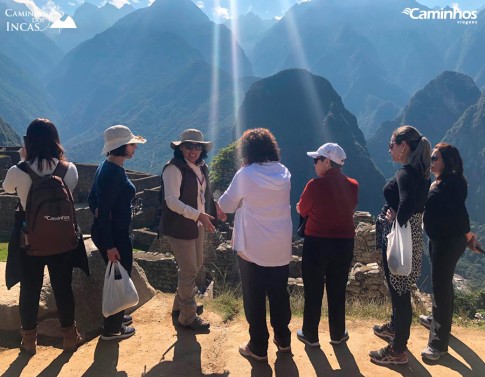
(72, 338)
(29, 341)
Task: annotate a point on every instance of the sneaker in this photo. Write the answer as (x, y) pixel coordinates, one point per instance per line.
(341, 340)
(426, 320)
(125, 332)
(385, 332)
(198, 324)
(432, 353)
(198, 311)
(246, 352)
(284, 349)
(302, 338)
(127, 320)
(387, 355)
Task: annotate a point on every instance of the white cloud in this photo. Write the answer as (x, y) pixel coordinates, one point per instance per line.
(304, 1)
(68, 23)
(200, 4)
(49, 11)
(277, 18)
(119, 3)
(221, 12)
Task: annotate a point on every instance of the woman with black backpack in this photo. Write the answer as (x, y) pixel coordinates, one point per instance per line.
(44, 161)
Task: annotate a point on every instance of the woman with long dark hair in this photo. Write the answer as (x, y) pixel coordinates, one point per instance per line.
(260, 195)
(447, 224)
(44, 156)
(405, 196)
(110, 201)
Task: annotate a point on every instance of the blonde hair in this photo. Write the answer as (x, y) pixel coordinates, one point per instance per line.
(420, 155)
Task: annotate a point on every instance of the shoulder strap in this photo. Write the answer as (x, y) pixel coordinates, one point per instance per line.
(61, 169)
(24, 166)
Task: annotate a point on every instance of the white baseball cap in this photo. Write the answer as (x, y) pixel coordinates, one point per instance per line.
(332, 151)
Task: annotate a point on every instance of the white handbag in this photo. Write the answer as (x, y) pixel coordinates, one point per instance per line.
(400, 249)
(119, 292)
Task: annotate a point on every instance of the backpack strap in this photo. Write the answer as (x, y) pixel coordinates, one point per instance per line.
(61, 169)
(24, 166)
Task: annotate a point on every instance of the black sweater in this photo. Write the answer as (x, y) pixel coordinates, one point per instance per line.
(406, 193)
(445, 215)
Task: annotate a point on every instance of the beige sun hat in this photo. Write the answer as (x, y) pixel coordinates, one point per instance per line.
(192, 135)
(116, 136)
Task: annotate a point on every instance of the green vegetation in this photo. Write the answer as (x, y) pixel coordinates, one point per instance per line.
(223, 167)
(471, 265)
(3, 251)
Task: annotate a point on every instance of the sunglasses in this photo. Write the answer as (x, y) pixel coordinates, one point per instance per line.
(192, 147)
(391, 144)
(315, 160)
(434, 158)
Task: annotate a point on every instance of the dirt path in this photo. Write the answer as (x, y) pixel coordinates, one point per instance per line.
(158, 349)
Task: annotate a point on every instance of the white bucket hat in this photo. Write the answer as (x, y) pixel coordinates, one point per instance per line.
(332, 151)
(116, 136)
(192, 135)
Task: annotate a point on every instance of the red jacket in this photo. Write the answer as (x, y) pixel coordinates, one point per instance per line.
(330, 203)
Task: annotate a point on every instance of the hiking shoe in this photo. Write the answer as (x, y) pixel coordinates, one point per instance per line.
(198, 324)
(385, 332)
(341, 340)
(246, 352)
(124, 333)
(387, 355)
(284, 349)
(432, 353)
(426, 320)
(198, 311)
(127, 320)
(302, 338)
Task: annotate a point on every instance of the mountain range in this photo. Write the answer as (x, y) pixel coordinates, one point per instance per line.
(304, 111)
(8, 137)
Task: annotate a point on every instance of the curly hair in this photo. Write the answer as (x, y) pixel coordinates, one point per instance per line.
(258, 145)
(42, 143)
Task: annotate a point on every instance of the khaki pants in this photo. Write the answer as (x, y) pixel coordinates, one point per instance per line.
(189, 255)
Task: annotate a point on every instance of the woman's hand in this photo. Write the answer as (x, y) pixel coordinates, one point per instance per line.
(205, 219)
(113, 255)
(298, 208)
(472, 242)
(220, 213)
(390, 215)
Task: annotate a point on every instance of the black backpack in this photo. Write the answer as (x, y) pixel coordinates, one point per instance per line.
(50, 218)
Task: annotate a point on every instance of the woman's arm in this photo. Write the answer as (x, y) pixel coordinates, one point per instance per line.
(306, 199)
(406, 184)
(229, 201)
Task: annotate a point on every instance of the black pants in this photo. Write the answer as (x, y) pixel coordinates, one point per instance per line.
(444, 256)
(122, 241)
(402, 311)
(60, 272)
(257, 282)
(326, 261)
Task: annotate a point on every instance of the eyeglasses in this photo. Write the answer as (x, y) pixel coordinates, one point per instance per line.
(192, 147)
(434, 158)
(391, 144)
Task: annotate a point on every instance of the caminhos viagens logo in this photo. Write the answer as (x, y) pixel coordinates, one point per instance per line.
(454, 13)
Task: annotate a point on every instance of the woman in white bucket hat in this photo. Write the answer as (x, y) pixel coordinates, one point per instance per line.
(110, 201)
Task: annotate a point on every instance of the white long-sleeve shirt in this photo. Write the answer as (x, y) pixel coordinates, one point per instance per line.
(172, 180)
(260, 196)
(19, 182)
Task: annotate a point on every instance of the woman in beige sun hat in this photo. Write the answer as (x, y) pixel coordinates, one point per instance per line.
(110, 201)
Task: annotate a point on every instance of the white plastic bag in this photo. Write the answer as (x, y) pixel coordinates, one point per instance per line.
(118, 294)
(400, 249)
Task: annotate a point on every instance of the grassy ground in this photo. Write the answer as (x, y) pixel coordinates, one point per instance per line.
(228, 303)
(3, 248)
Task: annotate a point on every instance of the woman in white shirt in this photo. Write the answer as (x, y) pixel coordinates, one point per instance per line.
(260, 195)
(43, 153)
